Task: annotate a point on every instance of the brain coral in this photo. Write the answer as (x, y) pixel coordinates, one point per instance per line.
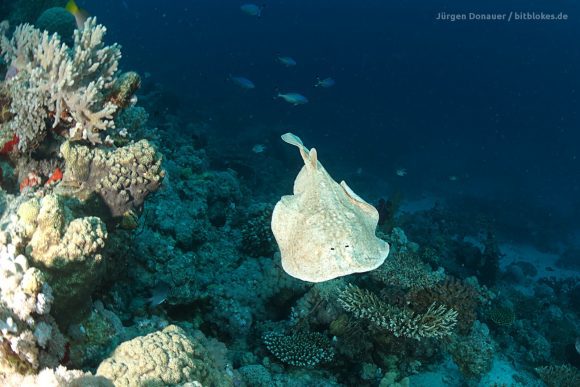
(164, 358)
(58, 20)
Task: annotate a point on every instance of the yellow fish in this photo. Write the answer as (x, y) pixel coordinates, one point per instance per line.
(80, 14)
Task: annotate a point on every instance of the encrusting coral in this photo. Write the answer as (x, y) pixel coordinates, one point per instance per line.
(302, 349)
(122, 177)
(67, 249)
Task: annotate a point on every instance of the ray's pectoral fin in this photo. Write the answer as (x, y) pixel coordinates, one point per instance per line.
(357, 200)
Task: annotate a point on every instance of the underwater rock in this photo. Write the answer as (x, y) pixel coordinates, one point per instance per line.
(325, 230)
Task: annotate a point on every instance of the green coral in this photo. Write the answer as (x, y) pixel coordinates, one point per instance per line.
(438, 321)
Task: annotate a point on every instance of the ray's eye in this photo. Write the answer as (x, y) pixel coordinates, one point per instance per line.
(346, 246)
(332, 248)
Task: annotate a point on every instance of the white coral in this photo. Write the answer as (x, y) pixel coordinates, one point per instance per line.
(68, 83)
(25, 301)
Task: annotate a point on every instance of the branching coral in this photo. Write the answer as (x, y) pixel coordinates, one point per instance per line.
(438, 321)
(452, 293)
(58, 84)
(559, 376)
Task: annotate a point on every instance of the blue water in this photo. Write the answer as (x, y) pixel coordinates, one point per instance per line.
(493, 103)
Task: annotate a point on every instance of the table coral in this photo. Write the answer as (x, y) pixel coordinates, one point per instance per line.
(164, 358)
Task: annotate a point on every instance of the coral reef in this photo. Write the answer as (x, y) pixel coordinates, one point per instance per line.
(501, 315)
(407, 270)
(452, 293)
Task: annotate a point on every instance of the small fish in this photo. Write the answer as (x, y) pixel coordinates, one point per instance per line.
(80, 14)
(243, 82)
(293, 98)
(252, 9)
(453, 178)
(159, 294)
(287, 61)
(325, 83)
(401, 172)
(577, 345)
(258, 148)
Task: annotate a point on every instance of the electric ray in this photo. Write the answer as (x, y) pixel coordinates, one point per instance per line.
(325, 230)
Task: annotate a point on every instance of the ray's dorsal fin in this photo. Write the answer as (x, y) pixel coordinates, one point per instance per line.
(313, 157)
(357, 199)
(309, 157)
